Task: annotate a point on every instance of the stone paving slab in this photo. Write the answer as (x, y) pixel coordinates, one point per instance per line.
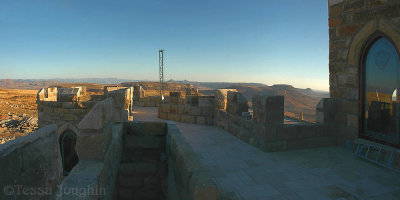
(246, 172)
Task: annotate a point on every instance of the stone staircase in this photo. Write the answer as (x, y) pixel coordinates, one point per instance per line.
(143, 170)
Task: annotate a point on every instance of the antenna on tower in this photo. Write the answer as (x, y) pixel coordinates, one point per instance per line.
(161, 71)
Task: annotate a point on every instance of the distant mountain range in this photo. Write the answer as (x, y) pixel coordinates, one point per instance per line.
(34, 84)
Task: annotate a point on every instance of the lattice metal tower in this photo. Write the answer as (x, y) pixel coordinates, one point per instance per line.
(161, 70)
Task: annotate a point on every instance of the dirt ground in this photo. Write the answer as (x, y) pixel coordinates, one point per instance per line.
(18, 114)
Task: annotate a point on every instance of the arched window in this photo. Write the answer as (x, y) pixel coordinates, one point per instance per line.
(68, 154)
(380, 84)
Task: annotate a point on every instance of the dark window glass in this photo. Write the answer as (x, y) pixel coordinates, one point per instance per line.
(381, 84)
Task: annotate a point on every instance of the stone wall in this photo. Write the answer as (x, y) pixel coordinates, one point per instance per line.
(143, 171)
(267, 130)
(188, 109)
(54, 112)
(123, 102)
(99, 147)
(275, 138)
(31, 165)
(352, 24)
(187, 177)
(149, 101)
(70, 105)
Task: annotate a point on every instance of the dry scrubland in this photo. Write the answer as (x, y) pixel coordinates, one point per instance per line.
(18, 114)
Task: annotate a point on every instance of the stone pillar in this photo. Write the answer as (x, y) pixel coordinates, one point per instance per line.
(236, 103)
(326, 110)
(95, 131)
(268, 110)
(221, 98)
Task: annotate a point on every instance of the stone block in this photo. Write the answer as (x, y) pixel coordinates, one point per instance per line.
(286, 133)
(152, 182)
(236, 103)
(207, 111)
(125, 193)
(93, 144)
(165, 107)
(174, 108)
(174, 116)
(125, 181)
(163, 115)
(60, 110)
(243, 135)
(145, 128)
(274, 118)
(195, 110)
(206, 101)
(308, 131)
(221, 98)
(69, 105)
(352, 120)
(174, 100)
(347, 30)
(68, 117)
(146, 168)
(188, 118)
(200, 120)
(192, 100)
(274, 103)
(146, 194)
(181, 109)
(134, 141)
(68, 94)
(209, 120)
(100, 115)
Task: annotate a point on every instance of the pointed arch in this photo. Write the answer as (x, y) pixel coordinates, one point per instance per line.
(67, 138)
(379, 75)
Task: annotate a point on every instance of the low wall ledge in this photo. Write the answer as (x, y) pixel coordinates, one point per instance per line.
(11, 146)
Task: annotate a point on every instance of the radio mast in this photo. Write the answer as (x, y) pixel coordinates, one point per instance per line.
(161, 71)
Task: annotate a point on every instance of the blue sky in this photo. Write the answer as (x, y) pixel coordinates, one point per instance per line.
(266, 41)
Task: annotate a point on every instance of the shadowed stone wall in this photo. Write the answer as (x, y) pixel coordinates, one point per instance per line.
(31, 164)
(267, 130)
(187, 177)
(143, 170)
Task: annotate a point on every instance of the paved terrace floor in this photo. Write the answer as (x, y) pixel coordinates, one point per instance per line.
(319, 173)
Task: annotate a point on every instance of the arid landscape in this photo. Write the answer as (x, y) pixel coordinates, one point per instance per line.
(18, 115)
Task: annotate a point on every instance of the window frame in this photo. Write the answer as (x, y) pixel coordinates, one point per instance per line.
(361, 84)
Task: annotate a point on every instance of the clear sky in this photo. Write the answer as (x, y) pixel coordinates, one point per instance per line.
(266, 41)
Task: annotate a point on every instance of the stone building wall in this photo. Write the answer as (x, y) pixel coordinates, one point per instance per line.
(61, 105)
(70, 105)
(188, 109)
(352, 24)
